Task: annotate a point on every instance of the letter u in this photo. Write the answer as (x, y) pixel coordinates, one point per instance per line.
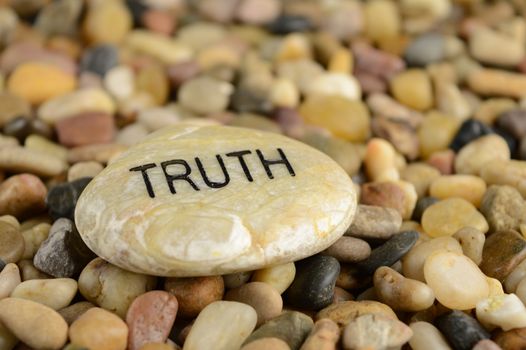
(208, 182)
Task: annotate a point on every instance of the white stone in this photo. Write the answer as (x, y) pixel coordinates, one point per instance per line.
(204, 224)
(335, 84)
(505, 311)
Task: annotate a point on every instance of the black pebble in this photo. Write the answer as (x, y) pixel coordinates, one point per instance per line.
(137, 9)
(21, 127)
(313, 286)
(421, 205)
(389, 252)
(62, 199)
(461, 330)
(100, 59)
(289, 23)
(470, 130)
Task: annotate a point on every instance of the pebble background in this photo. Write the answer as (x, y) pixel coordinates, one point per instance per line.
(421, 102)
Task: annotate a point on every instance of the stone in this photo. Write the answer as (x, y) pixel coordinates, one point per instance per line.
(85, 129)
(436, 133)
(380, 160)
(227, 248)
(514, 122)
(383, 194)
(150, 318)
(345, 312)
(461, 330)
(375, 332)
(471, 188)
(284, 93)
(382, 20)
(426, 336)
(447, 216)
(456, 281)
(351, 277)
(22, 160)
(7, 339)
(339, 84)
(313, 285)
(23, 128)
(158, 46)
(106, 22)
(9, 279)
(421, 205)
(389, 252)
(413, 89)
(515, 277)
(344, 118)
(470, 130)
(32, 82)
(472, 242)
(504, 208)
(237, 279)
(505, 172)
(11, 243)
(280, 277)
(349, 249)
(485, 44)
(291, 326)
(62, 253)
(62, 198)
(374, 222)
(486, 344)
(40, 143)
(99, 329)
(12, 106)
(421, 175)
(119, 81)
(22, 195)
(84, 169)
(36, 325)
(286, 24)
(425, 49)
(28, 271)
(402, 293)
(191, 92)
(261, 296)
(101, 153)
(497, 82)
(257, 12)
(399, 133)
(221, 325)
(488, 111)
(112, 288)
(100, 59)
(512, 339)
(152, 80)
(56, 293)
(475, 155)
(74, 311)
(67, 11)
(195, 293)
(505, 311)
(502, 252)
(324, 336)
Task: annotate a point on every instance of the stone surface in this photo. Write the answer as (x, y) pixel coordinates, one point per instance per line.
(9, 279)
(62, 198)
(261, 230)
(472, 242)
(74, 311)
(461, 330)
(221, 325)
(195, 293)
(502, 252)
(504, 208)
(99, 329)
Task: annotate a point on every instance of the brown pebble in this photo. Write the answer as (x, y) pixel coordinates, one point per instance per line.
(351, 278)
(374, 222)
(504, 208)
(343, 313)
(514, 339)
(261, 296)
(340, 295)
(159, 21)
(195, 293)
(11, 243)
(486, 344)
(74, 311)
(443, 161)
(150, 318)
(349, 249)
(22, 195)
(383, 194)
(267, 344)
(324, 336)
(85, 129)
(502, 252)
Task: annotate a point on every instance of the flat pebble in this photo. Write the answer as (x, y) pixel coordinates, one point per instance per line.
(21, 160)
(324, 336)
(502, 252)
(9, 279)
(56, 293)
(195, 293)
(345, 312)
(504, 208)
(261, 296)
(475, 155)
(374, 222)
(221, 325)
(349, 249)
(461, 330)
(413, 89)
(84, 169)
(425, 336)
(505, 311)
(469, 187)
(99, 329)
(279, 276)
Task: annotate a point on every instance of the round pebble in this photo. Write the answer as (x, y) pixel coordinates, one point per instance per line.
(195, 293)
(262, 297)
(99, 329)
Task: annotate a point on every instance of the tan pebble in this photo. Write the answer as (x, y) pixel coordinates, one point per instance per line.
(39, 143)
(158, 346)
(413, 261)
(153, 80)
(11, 243)
(120, 82)
(9, 279)
(341, 61)
(375, 222)
(236, 279)
(450, 215)
(426, 336)
(380, 159)
(195, 293)
(504, 310)
(28, 271)
(39, 82)
(84, 169)
(101, 153)
(349, 249)
(472, 242)
(10, 219)
(485, 45)
(457, 282)
(18, 160)
(475, 155)
(384, 105)
(497, 82)
(443, 161)
(7, 339)
(56, 293)
(382, 20)
(345, 312)
(488, 111)
(505, 172)
(495, 287)
(413, 88)
(340, 295)
(159, 46)
(107, 22)
(451, 101)
(410, 198)
(36, 325)
(22, 195)
(74, 311)
(402, 293)
(99, 329)
(293, 47)
(266, 343)
(284, 93)
(279, 276)
(486, 344)
(421, 175)
(257, 12)
(436, 133)
(469, 187)
(324, 336)
(261, 296)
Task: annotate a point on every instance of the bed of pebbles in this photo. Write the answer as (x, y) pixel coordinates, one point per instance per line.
(421, 102)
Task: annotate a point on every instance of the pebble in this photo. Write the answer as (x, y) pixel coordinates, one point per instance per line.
(22, 82)
(209, 254)
(512, 340)
(62, 198)
(472, 242)
(436, 133)
(7, 339)
(85, 129)
(291, 326)
(106, 22)
(286, 24)
(84, 169)
(349, 249)
(380, 161)
(389, 252)
(468, 187)
(74, 311)
(23, 128)
(317, 275)
(470, 130)
(488, 111)
(99, 329)
(150, 318)
(30, 272)
(258, 11)
(195, 293)
(22, 195)
(261, 296)
(380, 64)
(280, 277)
(461, 330)
(505, 311)
(475, 155)
(513, 121)
(12, 106)
(374, 222)
(421, 175)
(375, 331)
(497, 82)
(11, 243)
(338, 84)
(36, 325)
(236, 279)
(345, 312)
(100, 59)
(56, 293)
(344, 118)
(426, 336)
(101, 153)
(284, 93)
(399, 133)
(382, 20)
(119, 81)
(455, 279)
(191, 92)
(158, 46)
(9, 279)
(112, 288)
(421, 205)
(42, 144)
(505, 172)
(413, 89)
(384, 194)
(504, 208)
(447, 216)
(402, 293)
(266, 343)
(153, 81)
(502, 252)
(425, 49)
(324, 336)
(75, 103)
(22, 160)
(485, 44)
